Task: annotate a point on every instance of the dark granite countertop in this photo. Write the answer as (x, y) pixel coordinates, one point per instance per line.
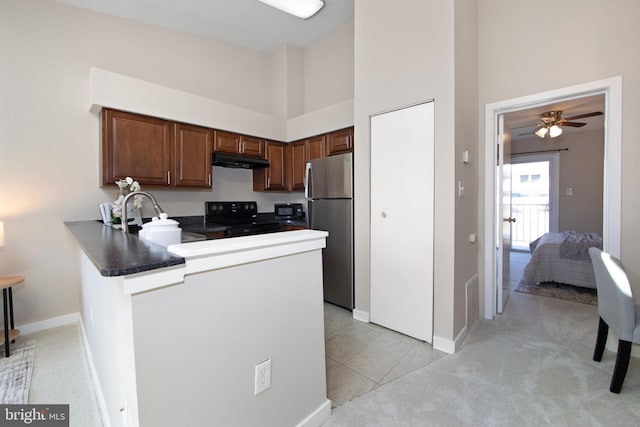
(115, 253)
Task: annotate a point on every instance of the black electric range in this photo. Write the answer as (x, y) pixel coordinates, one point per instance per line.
(237, 219)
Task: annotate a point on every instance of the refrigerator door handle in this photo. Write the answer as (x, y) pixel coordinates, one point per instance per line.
(307, 180)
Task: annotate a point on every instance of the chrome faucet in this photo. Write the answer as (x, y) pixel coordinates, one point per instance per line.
(156, 207)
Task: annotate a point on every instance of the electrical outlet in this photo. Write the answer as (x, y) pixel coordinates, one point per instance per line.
(263, 377)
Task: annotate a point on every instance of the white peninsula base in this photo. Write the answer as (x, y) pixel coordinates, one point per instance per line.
(178, 346)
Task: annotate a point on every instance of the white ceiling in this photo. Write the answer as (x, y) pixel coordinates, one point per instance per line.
(247, 23)
(522, 124)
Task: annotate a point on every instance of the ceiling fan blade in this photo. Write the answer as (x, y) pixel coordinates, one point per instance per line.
(582, 116)
(572, 124)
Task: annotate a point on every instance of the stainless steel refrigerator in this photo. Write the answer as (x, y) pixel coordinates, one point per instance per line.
(329, 193)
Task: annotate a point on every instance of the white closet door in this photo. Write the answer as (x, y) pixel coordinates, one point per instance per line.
(402, 181)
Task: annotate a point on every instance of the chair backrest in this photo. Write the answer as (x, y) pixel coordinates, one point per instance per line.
(615, 300)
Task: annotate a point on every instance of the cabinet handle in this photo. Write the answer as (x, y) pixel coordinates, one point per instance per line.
(242, 147)
(268, 182)
(168, 177)
(209, 180)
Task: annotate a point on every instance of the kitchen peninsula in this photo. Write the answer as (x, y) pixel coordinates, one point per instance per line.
(175, 334)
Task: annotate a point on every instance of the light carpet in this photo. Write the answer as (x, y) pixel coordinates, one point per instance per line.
(530, 366)
(561, 291)
(15, 373)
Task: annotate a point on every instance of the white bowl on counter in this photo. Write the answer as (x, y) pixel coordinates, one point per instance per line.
(162, 230)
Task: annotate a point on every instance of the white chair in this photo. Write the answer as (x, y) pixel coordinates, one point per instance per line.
(617, 311)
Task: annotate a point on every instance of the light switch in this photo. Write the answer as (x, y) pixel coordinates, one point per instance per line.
(460, 188)
(466, 156)
(568, 191)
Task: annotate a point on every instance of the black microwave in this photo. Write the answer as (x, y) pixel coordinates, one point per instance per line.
(288, 211)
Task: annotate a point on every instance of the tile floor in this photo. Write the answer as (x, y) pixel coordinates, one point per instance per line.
(362, 356)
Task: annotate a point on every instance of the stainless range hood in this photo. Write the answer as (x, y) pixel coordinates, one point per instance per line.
(238, 161)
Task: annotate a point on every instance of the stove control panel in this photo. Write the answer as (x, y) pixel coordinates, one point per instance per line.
(221, 212)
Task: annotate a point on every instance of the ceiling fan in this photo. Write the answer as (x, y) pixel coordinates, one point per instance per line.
(551, 122)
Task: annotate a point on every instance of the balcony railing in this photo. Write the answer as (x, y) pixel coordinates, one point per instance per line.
(532, 221)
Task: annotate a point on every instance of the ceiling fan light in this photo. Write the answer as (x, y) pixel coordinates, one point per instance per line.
(542, 132)
(301, 8)
(555, 131)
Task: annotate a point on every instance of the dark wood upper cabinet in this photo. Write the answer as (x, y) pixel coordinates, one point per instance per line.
(340, 141)
(316, 147)
(136, 146)
(193, 146)
(154, 151)
(252, 146)
(298, 156)
(234, 143)
(301, 152)
(275, 177)
(163, 153)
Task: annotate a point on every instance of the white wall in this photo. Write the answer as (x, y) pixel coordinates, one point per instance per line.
(466, 125)
(325, 65)
(602, 36)
(49, 154)
(404, 53)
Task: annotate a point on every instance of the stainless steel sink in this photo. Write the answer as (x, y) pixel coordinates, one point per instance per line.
(188, 237)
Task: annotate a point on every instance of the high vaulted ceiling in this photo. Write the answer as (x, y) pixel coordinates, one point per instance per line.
(247, 23)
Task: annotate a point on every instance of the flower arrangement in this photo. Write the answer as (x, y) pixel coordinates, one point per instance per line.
(125, 186)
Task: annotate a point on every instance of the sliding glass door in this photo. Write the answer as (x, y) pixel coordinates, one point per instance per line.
(534, 197)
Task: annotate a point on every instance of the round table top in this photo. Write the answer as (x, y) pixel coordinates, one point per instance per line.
(8, 281)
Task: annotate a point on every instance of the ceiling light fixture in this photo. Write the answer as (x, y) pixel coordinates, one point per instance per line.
(555, 131)
(549, 130)
(301, 8)
(542, 132)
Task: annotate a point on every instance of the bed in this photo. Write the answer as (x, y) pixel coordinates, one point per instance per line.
(562, 258)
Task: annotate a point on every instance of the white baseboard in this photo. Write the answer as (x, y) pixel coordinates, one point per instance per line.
(317, 417)
(360, 315)
(447, 345)
(68, 319)
(54, 322)
(102, 403)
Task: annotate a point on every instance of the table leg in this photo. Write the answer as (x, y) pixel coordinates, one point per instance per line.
(6, 323)
(13, 326)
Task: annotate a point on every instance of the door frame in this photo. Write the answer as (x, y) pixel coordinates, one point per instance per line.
(612, 194)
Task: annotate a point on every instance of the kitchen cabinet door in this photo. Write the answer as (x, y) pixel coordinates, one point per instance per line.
(136, 146)
(251, 146)
(227, 142)
(298, 151)
(301, 152)
(402, 248)
(340, 141)
(234, 143)
(275, 177)
(316, 147)
(193, 145)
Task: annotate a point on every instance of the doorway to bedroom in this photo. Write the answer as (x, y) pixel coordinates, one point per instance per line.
(610, 184)
(556, 184)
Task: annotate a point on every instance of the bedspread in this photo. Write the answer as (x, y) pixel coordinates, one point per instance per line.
(547, 264)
